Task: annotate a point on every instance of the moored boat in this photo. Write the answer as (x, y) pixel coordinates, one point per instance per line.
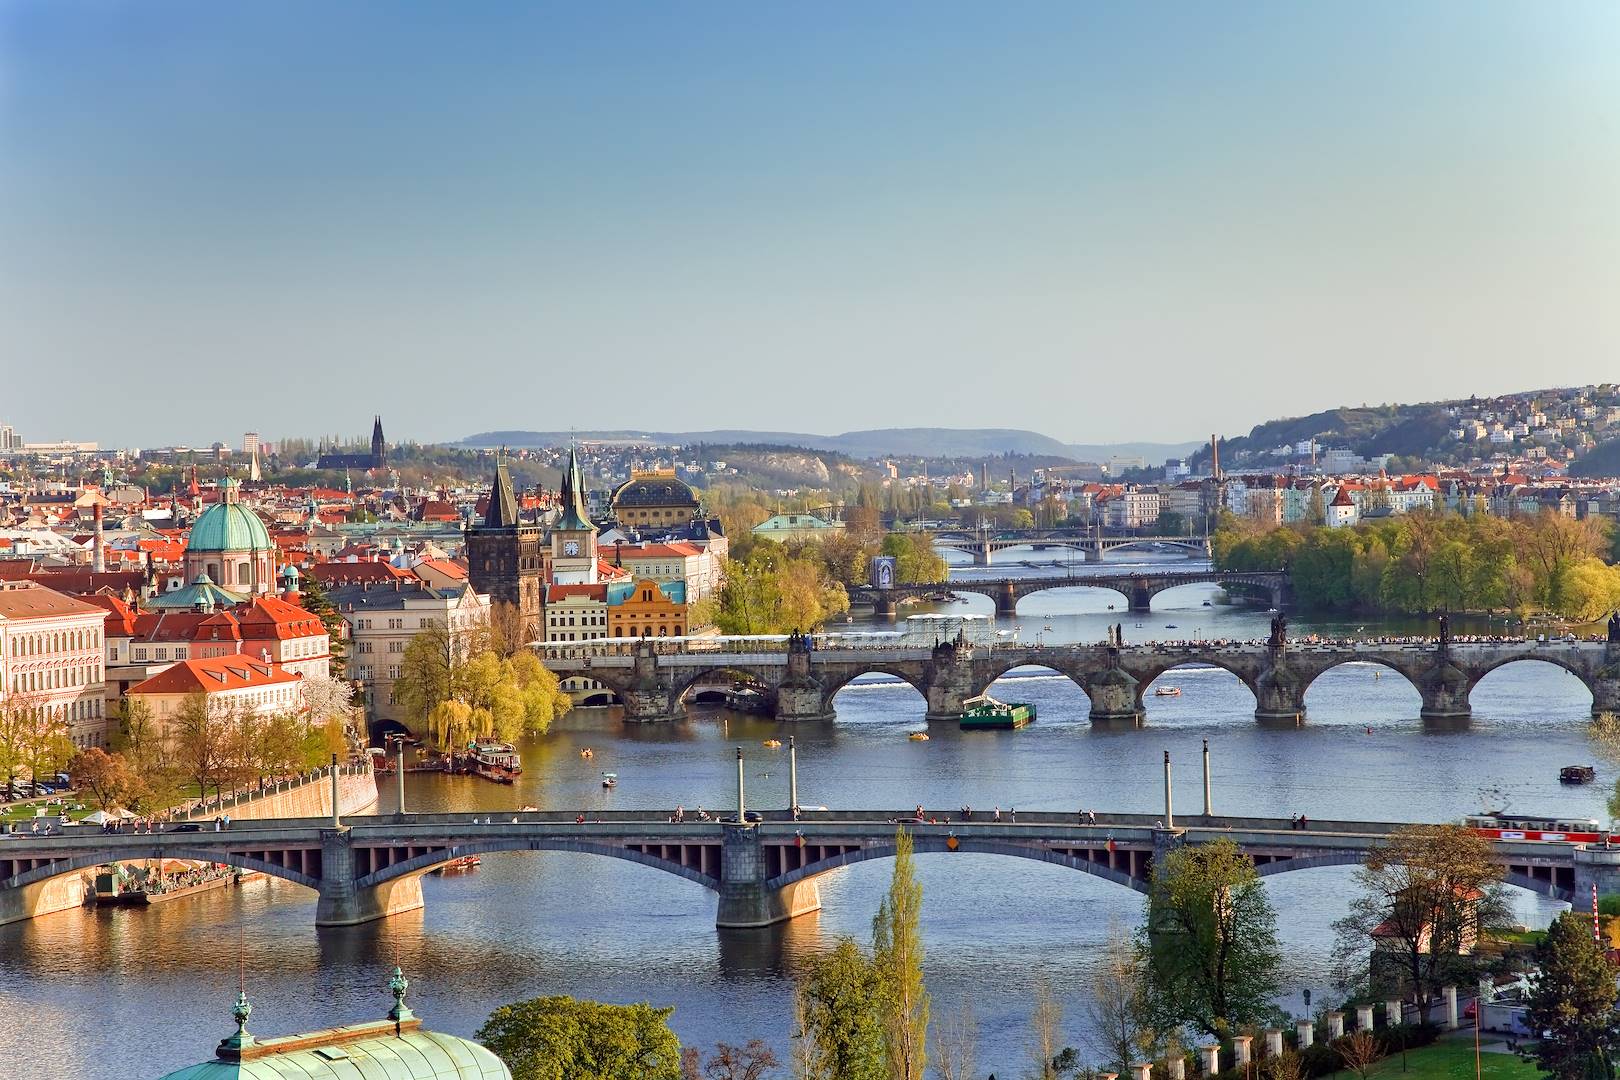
(461, 865)
(1167, 691)
(493, 760)
(997, 716)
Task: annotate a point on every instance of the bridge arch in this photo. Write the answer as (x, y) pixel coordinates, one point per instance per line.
(92, 859)
(687, 679)
(1309, 674)
(836, 682)
(1517, 878)
(1477, 674)
(430, 860)
(967, 845)
(1387, 694)
(1147, 674)
(999, 671)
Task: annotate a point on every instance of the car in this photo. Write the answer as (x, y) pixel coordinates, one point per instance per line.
(186, 826)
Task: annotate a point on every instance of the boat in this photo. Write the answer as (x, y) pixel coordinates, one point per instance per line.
(461, 865)
(772, 744)
(1167, 691)
(918, 736)
(610, 779)
(1171, 626)
(587, 753)
(493, 760)
(997, 716)
(1208, 604)
(747, 699)
(1577, 774)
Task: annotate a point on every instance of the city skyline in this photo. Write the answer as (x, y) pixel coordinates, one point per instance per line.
(306, 215)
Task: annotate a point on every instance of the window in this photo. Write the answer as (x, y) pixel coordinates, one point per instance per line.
(362, 646)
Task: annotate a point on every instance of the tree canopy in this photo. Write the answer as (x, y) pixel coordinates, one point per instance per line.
(563, 1038)
(1572, 999)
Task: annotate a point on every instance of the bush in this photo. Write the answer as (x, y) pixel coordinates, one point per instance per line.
(1320, 1059)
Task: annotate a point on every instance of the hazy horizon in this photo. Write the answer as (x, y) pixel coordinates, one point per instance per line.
(1102, 223)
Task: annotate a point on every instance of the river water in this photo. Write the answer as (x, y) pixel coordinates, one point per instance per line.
(128, 992)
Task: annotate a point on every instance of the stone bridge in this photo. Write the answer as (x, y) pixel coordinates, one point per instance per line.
(983, 545)
(1137, 589)
(805, 677)
(370, 868)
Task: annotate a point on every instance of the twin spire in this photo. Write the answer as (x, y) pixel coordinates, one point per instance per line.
(502, 512)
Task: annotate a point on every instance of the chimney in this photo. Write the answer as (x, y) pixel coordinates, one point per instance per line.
(99, 545)
(1215, 456)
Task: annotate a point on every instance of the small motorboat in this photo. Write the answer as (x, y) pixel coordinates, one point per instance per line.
(1110, 607)
(1577, 774)
(918, 736)
(1208, 604)
(1167, 691)
(610, 779)
(772, 744)
(1171, 626)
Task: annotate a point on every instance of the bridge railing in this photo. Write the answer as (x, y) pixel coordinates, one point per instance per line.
(216, 805)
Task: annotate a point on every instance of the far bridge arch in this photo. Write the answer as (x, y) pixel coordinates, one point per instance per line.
(307, 873)
(696, 862)
(1130, 867)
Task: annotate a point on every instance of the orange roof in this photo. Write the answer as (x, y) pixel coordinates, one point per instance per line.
(590, 592)
(35, 601)
(448, 567)
(329, 573)
(660, 551)
(213, 675)
(272, 617)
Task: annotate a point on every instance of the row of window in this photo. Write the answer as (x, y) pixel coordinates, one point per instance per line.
(584, 620)
(55, 641)
(57, 678)
(363, 673)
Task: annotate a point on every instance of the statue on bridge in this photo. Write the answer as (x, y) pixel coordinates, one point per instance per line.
(1279, 631)
(1614, 626)
(1445, 630)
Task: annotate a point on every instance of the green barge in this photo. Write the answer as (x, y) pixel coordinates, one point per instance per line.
(987, 715)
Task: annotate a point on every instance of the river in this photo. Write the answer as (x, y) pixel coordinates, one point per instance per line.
(129, 992)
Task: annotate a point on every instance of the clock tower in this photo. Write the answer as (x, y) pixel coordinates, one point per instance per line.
(573, 537)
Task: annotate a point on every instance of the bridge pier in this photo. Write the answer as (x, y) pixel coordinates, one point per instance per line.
(1606, 688)
(1278, 693)
(1445, 693)
(1092, 553)
(981, 555)
(1596, 866)
(745, 902)
(883, 605)
(644, 706)
(1007, 599)
(342, 902)
(1141, 600)
(1115, 696)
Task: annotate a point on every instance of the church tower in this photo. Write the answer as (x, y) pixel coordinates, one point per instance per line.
(504, 557)
(573, 537)
(379, 449)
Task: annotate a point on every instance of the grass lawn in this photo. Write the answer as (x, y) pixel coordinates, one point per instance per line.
(1451, 1059)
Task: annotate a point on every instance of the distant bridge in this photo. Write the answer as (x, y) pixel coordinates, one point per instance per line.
(983, 544)
(371, 867)
(651, 678)
(1138, 589)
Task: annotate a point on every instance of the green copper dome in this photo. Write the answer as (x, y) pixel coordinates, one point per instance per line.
(229, 526)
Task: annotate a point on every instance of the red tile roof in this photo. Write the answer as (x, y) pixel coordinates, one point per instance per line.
(212, 675)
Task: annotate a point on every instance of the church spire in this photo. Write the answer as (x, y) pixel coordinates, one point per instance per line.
(574, 515)
(502, 511)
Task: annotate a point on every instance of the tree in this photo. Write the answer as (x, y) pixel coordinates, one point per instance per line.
(840, 1021)
(202, 743)
(1117, 1008)
(1210, 941)
(1047, 1061)
(312, 596)
(1429, 889)
(752, 1062)
(16, 735)
(510, 633)
(563, 1038)
(1572, 999)
(1359, 1051)
(897, 957)
(915, 560)
(330, 700)
(955, 1043)
(105, 776)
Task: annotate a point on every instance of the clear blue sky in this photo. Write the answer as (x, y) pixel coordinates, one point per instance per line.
(1101, 221)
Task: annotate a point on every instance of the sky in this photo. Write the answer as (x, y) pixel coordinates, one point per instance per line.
(1102, 221)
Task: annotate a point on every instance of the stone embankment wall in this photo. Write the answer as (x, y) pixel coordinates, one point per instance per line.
(311, 797)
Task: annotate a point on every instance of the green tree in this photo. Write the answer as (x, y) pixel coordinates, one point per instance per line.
(915, 560)
(563, 1038)
(312, 596)
(841, 1029)
(105, 776)
(1572, 999)
(897, 957)
(1210, 940)
(202, 741)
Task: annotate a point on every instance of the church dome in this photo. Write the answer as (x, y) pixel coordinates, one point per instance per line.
(229, 526)
(654, 489)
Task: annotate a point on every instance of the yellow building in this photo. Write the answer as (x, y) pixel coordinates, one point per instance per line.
(650, 609)
(654, 498)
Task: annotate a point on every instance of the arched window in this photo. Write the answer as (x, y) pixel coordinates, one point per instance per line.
(243, 574)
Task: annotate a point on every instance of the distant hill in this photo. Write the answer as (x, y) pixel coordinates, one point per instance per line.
(882, 442)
